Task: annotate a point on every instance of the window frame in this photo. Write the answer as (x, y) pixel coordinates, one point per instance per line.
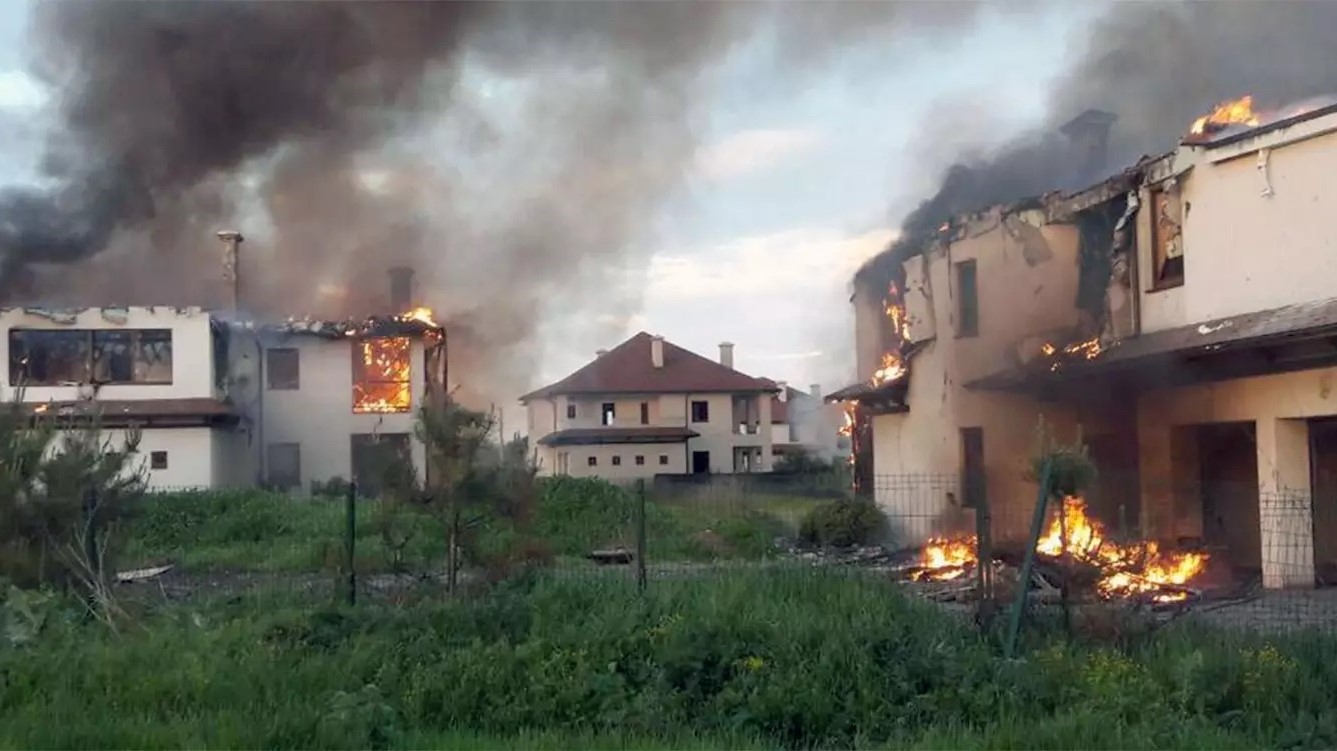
(967, 305)
(356, 360)
(608, 414)
(89, 354)
(296, 383)
(570, 411)
(1160, 261)
(704, 416)
(645, 413)
(158, 459)
(617, 460)
(297, 465)
(591, 461)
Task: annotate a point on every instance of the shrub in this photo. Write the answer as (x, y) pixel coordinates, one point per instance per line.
(842, 523)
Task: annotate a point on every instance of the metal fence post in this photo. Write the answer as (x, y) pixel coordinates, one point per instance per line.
(1024, 578)
(984, 561)
(640, 535)
(350, 536)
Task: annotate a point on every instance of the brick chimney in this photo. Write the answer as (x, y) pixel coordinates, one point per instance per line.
(401, 289)
(657, 351)
(1089, 133)
(600, 353)
(726, 354)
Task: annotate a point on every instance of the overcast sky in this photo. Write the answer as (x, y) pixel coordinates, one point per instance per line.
(792, 188)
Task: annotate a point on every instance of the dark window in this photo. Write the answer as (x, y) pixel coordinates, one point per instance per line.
(158, 460)
(640, 461)
(570, 411)
(284, 464)
(972, 467)
(967, 297)
(700, 462)
(1167, 249)
(593, 461)
(379, 459)
(41, 357)
(617, 461)
(283, 370)
(645, 413)
(663, 459)
(700, 411)
(609, 411)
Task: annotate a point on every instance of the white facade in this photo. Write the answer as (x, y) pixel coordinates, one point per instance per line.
(318, 415)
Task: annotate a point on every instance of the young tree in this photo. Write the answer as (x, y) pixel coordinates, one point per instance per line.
(470, 481)
(63, 484)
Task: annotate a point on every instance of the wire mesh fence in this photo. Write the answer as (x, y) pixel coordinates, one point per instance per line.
(1266, 568)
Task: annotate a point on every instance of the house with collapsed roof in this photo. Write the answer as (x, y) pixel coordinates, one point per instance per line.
(649, 407)
(220, 401)
(1182, 315)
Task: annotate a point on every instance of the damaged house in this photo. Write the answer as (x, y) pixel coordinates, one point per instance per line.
(222, 401)
(1180, 316)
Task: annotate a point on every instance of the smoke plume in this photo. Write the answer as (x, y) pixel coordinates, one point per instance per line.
(1157, 66)
(514, 154)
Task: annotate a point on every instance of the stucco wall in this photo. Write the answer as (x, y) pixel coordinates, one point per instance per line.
(1243, 250)
(1027, 287)
(319, 416)
(578, 460)
(193, 374)
(190, 456)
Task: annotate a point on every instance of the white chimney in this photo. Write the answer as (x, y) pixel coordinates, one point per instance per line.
(816, 391)
(784, 390)
(726, 354)
(600, 353)
(657, 351)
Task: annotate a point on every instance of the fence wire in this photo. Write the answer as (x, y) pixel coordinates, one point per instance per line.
(1271, 556)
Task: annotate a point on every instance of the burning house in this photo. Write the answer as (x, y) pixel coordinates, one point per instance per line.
(222, 400)
(1179, 316)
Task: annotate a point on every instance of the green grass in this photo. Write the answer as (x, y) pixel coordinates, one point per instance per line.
(780, 658)
(258, 531)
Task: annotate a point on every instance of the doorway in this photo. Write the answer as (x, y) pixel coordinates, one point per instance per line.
(1323, 470)
(700, 462)
(1228, 472)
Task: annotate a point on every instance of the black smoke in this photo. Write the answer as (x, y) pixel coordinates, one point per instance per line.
(1157, 66)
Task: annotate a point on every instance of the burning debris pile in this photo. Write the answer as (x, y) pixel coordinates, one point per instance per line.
(1075, 550)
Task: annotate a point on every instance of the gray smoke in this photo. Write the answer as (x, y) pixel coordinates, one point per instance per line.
(513, 153)
(1158, 66)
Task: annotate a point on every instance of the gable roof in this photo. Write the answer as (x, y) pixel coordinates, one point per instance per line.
(628, 369)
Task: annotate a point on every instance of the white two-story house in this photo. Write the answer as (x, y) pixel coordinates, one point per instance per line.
(219, 401)
(648, 407)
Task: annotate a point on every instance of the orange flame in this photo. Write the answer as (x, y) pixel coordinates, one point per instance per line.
(1128, 569)
(893, 365)
(1233, 112)
(382, 380)
(420, 314)
(945, 558)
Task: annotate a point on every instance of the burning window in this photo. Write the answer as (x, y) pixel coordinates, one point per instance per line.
(39, 357)
(1167, 249)
(283, 370)
(381, 374)
(967, 300)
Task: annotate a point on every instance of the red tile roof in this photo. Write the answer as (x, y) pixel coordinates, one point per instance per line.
(628, 369)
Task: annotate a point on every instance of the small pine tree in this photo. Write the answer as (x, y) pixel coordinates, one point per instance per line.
(63, 485)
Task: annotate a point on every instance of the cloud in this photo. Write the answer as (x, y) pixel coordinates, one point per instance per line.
(752, 151)
(20, 91)
(793, 264)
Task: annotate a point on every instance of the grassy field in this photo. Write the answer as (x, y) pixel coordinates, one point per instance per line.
(269, 532)
(755, 660)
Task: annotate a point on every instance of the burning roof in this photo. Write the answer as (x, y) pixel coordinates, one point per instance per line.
(415, 323)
